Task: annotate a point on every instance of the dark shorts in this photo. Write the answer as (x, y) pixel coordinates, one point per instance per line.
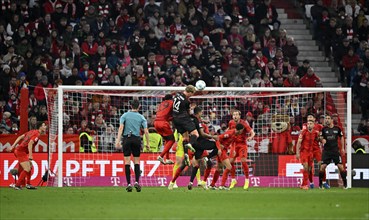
(203, 145)
(131, 145)
(184, 124)
(329, 156)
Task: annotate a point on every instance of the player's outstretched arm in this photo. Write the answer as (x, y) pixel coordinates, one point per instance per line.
(9, 149)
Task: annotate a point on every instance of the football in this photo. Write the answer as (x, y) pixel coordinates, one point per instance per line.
(200, 85)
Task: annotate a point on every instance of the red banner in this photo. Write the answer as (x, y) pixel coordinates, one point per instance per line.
(71, 143)
(84, 165)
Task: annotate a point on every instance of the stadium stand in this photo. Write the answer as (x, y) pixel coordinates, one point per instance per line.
(47, 43)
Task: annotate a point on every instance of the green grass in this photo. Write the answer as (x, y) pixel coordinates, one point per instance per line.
(160, 203)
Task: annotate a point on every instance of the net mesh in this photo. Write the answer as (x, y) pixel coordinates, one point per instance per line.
(97, 112)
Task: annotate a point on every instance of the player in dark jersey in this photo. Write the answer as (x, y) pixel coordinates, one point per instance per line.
(332, 151)
(182, 119)
(203, 143)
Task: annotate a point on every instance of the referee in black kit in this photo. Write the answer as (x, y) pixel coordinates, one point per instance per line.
(130, 124)
(332, 151)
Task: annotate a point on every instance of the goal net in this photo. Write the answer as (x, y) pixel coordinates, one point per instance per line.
(84, 123)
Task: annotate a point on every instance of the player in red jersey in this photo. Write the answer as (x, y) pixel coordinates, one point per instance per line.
(23, 152)
(304, 150)
(162, 126)
(236, 115)
(223, 160)
(317, 150)
(239, 137)
(222, 142)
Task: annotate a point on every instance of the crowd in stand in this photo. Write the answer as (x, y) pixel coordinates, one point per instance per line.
(46, 43)
(342, 28)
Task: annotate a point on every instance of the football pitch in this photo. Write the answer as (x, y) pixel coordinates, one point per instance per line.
(160, 203)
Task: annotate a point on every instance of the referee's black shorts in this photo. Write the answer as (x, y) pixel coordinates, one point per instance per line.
(184, 124)
(131, 145)
(329, 156)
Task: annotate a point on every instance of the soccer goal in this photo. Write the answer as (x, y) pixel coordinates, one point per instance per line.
(84, 121)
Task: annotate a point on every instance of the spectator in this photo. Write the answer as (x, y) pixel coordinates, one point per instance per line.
(89, 47)
(32, 123)
(290, 50)
(363, 127)
(266, 14)
(349, 62)
(309, 79)
(363, 93)
(302, 70)
(39, 90)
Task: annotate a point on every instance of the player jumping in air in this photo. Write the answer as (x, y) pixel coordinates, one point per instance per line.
(182, 119)
(162, 126)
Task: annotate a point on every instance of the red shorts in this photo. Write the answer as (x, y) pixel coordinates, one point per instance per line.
(222, 156)
(306, 157)
(238, 151)
(163, 128)
(21, 156)
(317, 155)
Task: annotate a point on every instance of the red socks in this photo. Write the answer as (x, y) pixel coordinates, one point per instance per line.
(224, 177)
(233, 171)
(215, 178)
(305, 177)
(245, 168)
(22, 176)
(167, 146)
(207, 173)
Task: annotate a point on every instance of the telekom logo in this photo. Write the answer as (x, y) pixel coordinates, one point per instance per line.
(115, 180)
(162, 181)
(68, 181)
(255, 181)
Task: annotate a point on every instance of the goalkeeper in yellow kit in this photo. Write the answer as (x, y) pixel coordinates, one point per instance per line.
(179, 158)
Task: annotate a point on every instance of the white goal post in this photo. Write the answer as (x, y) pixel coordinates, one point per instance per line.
(208, 93)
